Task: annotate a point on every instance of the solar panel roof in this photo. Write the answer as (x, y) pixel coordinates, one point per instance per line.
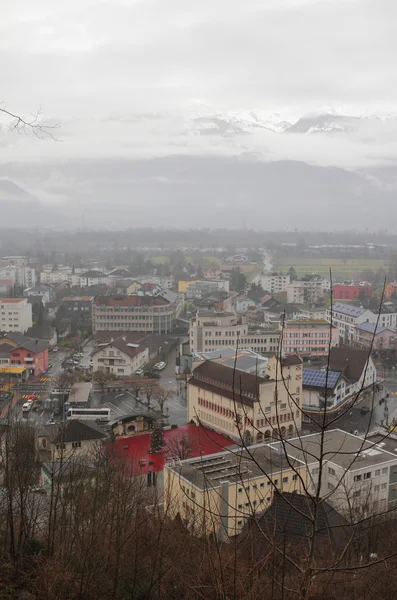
(319, 378)
(348, 309)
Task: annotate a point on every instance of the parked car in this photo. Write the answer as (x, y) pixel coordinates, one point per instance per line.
(50, 422)
(139, 372)
(161, 365)
(55, 349)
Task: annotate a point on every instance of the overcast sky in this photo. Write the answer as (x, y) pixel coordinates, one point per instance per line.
(94, 59)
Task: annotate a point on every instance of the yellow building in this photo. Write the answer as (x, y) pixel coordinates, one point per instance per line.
(74, 438)
(216, 494)
(184, 284)
(244, 406)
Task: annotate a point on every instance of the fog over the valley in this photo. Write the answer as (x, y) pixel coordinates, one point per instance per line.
(271, 114)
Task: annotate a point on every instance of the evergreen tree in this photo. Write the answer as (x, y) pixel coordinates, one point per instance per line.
(157, 443)
(292, 273)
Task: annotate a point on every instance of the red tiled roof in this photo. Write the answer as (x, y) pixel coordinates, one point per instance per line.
(135, 449)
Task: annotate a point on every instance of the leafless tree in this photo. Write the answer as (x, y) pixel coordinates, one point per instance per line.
(180, 446)
(41, 127)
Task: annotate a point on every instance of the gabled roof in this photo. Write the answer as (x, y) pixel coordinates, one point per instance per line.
(42, 332)
(291, 361)
(77, 431)
(319, 379)
(288, 520)
(121, 343)
(349, 361)
(32, 345)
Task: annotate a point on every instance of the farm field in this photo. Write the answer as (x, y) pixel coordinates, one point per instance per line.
(341, 269)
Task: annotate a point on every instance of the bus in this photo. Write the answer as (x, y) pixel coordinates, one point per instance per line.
(89, 414)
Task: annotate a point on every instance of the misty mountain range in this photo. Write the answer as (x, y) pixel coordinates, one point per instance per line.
(207, 190)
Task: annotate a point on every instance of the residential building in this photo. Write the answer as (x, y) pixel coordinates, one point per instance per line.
(150, 314)
(347, 373)
(183, 284)
(44, 333)
(308, 337)
(215, 329)
(388, 315)
(244, 360)
(371, 335)
(307, 290)
(316, 313)
(65, 475)
(92, 277)
(275, 283)
(351, 291)
(21, 275)
(244, 304)
(218, 494)
(274, 312)
(31, 354)
(75, 439)
(6, 288)
(243, 405)
(61, 275)
(78, 306)
(346, 317)
(40, 291)
(120, 357)
(154, 342)
(391, 289)
(200, 289)
(15, 314)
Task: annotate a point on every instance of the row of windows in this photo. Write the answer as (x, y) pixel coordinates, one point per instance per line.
(214, 420)
(368, 475)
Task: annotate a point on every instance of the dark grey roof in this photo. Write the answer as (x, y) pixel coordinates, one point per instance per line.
(77, 431)
(93, 274)
(43, 332)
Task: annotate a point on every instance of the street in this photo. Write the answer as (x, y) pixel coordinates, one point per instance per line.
(124, 403)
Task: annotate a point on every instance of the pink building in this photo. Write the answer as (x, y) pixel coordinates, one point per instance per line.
(308, 337)
(380, 338)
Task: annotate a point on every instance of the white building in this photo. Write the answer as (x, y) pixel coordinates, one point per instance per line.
(345, 317)
(244, 304)
(21, 275)
(15, 314)
(92, 277)
(273, 282)
(39, 290)
(120, 357)
(60, 276)
(308, 290)
(210, 330)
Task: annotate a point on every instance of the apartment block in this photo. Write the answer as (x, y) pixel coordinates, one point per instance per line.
(21, 275)
(15, 314)
(274, 283)
(351, 291)
(217, 494)
(308, 337)
(307, 290)
(243, 405)
(151, 314)
(346, 317)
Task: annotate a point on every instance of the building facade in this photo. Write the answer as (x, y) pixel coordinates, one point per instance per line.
(275, 283)
(307, 290)
(370, 335)
(346, 317)
(150, 314)
(308, 337)
(242, 405)
(351, 291)
(120, 357)
(15, 314)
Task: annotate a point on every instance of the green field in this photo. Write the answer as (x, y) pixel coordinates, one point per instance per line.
(341, 269)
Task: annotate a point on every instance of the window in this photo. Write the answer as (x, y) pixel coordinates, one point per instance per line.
(377, 472)
(240, 490)
(275, 482)
(377, 488)
(262, 485)
(294, 477)
(240, 506)
(367, 475)
(384, 471)
(61, 446)
(315, 471)
(357, 494)
(383, 486)
(331, 471)
(357, 478)
(285, 479)
(76, 444)
(239, 522)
